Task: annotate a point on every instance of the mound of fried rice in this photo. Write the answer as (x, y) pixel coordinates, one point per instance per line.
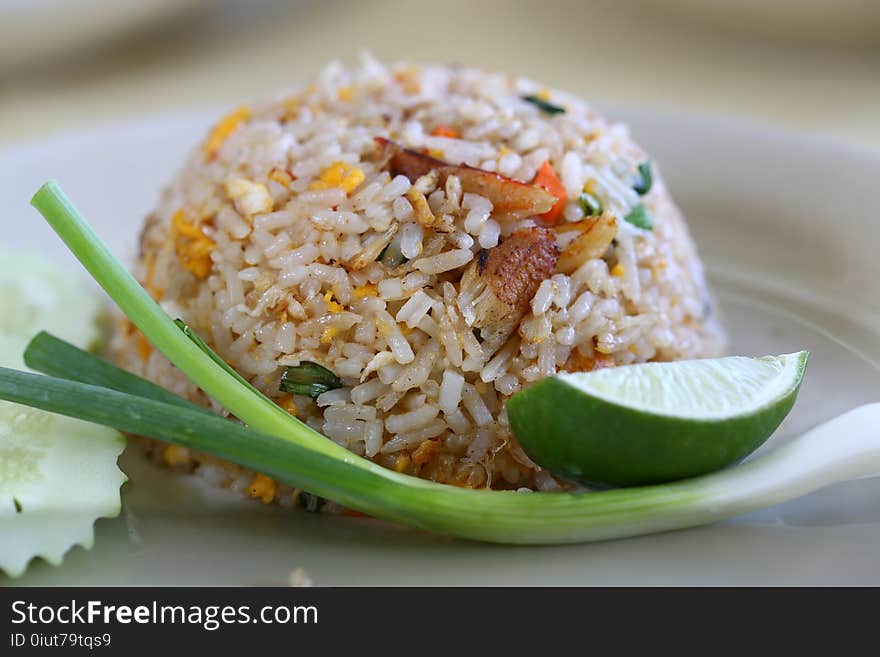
(438, 238)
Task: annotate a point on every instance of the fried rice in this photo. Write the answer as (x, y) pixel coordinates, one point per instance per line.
(437, 238)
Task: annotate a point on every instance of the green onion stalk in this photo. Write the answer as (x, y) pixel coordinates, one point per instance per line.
(279, 445)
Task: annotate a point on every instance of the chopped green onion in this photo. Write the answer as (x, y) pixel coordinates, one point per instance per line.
(391, 256)
(309, 379)
(590, 204)
(543, 105)
(640, 217)
(311, 503)
(645, 180)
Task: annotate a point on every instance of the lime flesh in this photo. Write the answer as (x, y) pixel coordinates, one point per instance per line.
(655, 422)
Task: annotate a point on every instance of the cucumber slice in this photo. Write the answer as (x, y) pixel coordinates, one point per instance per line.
(37, 296)
(57, 475)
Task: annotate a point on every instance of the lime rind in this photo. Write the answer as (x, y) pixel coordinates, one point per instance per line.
(629, 435)
(714, 389)
(58, 475)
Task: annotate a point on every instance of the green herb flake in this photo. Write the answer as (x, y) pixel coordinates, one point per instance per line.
(308, 379)
(543, 105)
(645, 180)
(590, 204)
(309, 502)
(640, 218)
(391, 256)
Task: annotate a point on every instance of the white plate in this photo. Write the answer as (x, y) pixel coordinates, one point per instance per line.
(32, 29)
(787, 228)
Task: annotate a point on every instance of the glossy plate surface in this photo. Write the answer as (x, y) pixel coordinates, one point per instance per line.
(787, 230)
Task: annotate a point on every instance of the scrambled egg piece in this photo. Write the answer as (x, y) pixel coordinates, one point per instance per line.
(175, 455)
(283, 178)
(364, 291)
(425, 451)
(223, 129)
(263, 488)
(192, 246)
(339, 174)
(250, 197)
(287, 403)
(329, 333)
(332, 306)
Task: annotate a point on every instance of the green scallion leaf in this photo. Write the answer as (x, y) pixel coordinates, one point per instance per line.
(590, 204)
(201, 344)
(645, 180)
(640, 218)
(543, 105)
(391, 256)
(50, 355)
(309, 379)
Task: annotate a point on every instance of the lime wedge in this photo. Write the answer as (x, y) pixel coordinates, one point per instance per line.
(655, 422)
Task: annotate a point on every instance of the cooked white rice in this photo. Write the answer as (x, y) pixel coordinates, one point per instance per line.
(266, 244)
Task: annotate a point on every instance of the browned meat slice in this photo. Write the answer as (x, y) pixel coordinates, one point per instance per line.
(499, 284)
(511, 199)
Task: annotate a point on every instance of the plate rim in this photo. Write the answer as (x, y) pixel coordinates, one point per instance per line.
(197, 116)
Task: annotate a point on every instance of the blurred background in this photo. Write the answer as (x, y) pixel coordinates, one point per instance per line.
(808, 65)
